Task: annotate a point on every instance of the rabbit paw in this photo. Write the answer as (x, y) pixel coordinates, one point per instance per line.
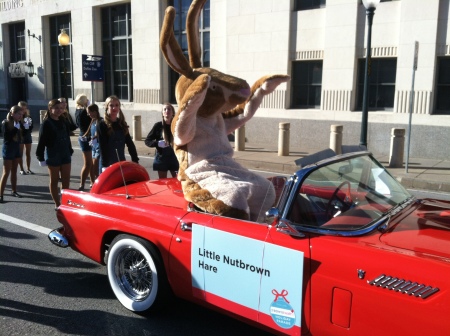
(271, 82)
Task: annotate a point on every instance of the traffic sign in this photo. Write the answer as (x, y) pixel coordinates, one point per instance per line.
(93, 68)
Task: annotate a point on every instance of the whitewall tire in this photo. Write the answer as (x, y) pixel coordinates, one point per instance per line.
(134, 272)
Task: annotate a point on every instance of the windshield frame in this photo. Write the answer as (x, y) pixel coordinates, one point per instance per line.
(379, 218)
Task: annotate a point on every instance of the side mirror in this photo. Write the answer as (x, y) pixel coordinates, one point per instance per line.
(272, 215)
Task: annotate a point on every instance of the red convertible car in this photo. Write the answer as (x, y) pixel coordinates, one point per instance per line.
(346, 250)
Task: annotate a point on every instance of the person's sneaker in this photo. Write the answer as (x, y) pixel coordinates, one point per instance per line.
(81, 189)
(30, 172)
(15, 194)
(22, 172)
(1, 199)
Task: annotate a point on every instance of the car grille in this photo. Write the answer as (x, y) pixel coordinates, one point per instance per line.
(403, 286)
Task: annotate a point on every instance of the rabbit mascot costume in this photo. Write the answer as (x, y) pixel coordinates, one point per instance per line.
(212, 105)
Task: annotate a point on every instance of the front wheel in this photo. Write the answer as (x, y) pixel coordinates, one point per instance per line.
(135, 273)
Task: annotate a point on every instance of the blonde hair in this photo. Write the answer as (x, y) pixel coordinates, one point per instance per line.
(10, 121)
(81, 100)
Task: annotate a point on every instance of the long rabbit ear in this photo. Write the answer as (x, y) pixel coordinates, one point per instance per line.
(170, 48)
(192, 33)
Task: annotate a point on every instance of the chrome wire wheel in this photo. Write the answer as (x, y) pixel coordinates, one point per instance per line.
(132, 272)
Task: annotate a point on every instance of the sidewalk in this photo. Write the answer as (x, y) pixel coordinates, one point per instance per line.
(426, 174)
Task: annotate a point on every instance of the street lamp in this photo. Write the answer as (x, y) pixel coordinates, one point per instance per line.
(370, 5)
(29, 65)
(64, 41)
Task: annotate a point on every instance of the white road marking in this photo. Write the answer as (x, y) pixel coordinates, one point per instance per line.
(24, 224)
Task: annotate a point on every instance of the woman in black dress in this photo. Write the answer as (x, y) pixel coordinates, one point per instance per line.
(54, 148)
(161, 138)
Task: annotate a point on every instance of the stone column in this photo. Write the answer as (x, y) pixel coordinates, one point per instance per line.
(239, 139)
(336, 138)
(397, 148)
(283, 139)
(41, 116)
(137, 128)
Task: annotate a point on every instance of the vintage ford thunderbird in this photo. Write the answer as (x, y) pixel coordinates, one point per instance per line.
(346, 250)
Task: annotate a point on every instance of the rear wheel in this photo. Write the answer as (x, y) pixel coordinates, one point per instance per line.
(135, 273)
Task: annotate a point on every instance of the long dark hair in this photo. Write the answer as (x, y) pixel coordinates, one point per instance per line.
(93, 107)
(50, 105)
(167, 132)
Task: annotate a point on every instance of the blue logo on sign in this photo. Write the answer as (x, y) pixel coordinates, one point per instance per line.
(281, 311)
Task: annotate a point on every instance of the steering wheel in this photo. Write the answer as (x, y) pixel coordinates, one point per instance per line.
(347, 200)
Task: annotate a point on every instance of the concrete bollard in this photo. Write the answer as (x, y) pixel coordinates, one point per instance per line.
(137, 128)
(239, 139)
(397, 147)
(41, 115)
(283, 139)
(336, 138)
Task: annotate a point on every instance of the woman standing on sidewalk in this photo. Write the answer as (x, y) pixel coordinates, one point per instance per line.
(27, 128)
(161, 138)
(12, 137)
(83, 121)
(54, 148)
(113, 135)
(94, 113)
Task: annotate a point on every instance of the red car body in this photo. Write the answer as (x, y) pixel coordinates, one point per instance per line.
(368, 265)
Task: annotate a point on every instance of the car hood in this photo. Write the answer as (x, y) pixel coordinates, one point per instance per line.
(423, 229)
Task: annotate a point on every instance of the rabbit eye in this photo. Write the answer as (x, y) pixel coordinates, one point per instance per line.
(213, 87)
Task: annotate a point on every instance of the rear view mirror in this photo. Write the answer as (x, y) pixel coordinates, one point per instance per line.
(343, 170)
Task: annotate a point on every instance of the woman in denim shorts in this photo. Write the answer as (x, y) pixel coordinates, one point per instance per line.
(27, 128)
(12, 136)
(83, 121)
(94, 113)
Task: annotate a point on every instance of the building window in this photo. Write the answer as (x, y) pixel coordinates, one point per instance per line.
(443, 86)
(300, 5)
(116, 43)
(381, 88)
(182, 7)
(61, 57)
(17, 40)
(306, 84)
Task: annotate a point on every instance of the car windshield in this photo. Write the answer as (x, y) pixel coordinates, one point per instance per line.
(346, 195)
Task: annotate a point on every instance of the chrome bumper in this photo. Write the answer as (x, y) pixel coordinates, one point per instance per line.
(57, 238)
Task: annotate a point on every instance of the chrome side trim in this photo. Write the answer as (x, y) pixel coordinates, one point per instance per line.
(403, 286)
(58, 239)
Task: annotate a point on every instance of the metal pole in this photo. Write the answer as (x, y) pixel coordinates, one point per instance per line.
(65, 75)
(92, 93)
(365, 111)
(411, 102)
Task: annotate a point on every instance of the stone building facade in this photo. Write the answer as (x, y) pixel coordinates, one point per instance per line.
(319, 43)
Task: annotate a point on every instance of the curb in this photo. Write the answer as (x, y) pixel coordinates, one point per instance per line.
(413, 183)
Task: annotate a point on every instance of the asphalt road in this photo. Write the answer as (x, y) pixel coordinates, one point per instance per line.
(46, 290)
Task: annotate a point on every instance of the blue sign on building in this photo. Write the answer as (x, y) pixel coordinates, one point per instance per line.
(93, 68)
